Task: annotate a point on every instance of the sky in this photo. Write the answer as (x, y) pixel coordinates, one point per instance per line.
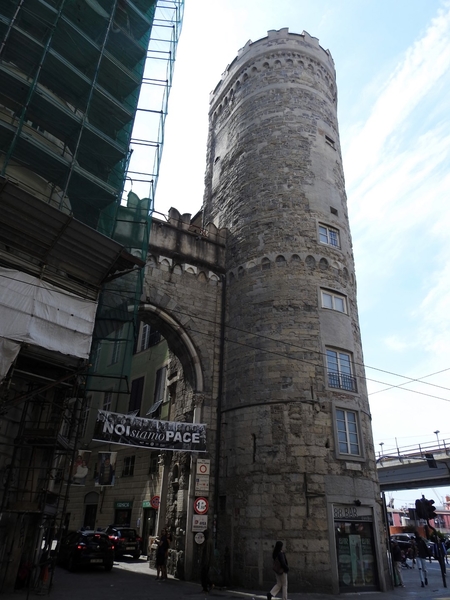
(392, 60)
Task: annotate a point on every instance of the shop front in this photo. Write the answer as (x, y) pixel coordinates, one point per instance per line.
(355, 548)
(122, 512)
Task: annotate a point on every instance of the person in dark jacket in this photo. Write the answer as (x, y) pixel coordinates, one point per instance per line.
(280, 566)
(397, 559)
(422, 555)
(206, 557)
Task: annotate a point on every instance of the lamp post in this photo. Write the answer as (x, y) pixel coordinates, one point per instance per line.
(437, 436)
(381, 451)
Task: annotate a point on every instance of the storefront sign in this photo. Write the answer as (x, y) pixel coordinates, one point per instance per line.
(199, 522)
(123, 504)
(146, 504)
(116, 428)
(349, 512)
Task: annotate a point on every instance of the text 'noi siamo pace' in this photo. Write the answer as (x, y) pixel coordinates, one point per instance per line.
(117, 428)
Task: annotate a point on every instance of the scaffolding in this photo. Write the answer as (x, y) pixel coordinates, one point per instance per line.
(84, 87)
(115, 332)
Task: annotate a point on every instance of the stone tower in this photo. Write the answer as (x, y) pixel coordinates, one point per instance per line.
(297, 460)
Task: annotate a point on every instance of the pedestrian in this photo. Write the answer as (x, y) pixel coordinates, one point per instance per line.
(412, 553)
(161, 556)
(280, 566)
(397, 560)
(422, 555)
(205, 562)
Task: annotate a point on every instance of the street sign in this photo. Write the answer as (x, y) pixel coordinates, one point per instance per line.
(199, 522)
(199, 538)
(154, 502)
(203, 466)
(202, 483)
(201, 506)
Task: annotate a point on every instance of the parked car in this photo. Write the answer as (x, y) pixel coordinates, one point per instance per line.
(125, 540)
(86, 548)
(404, 541)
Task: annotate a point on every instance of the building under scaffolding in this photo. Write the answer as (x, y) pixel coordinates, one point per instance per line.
(83, 98)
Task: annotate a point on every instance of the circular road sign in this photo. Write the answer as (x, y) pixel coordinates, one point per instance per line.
(201, 506)
(154, 502)
(199, 538)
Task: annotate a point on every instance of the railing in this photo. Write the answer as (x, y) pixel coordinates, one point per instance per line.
(420, 451)
(342, 381)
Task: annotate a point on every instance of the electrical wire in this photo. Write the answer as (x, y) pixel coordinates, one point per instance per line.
(126, 298)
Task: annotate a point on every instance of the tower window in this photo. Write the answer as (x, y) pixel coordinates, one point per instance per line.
(330, 142)
(334, 301)
(339, 369)
(329, 235)
(347, 432)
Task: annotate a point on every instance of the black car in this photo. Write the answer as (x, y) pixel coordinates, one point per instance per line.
(86, 548)
(125, 540)
(404, 541)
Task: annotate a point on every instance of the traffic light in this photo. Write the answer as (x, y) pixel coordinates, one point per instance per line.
(421, 508)
(431, 509)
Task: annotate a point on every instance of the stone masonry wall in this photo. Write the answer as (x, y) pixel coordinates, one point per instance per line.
(274, 175)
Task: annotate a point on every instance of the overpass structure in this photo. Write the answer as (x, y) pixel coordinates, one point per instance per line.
(424, 465)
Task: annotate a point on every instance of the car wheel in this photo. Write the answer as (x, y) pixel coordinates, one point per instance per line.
(136, 555)
(71, 566)
(109, 566)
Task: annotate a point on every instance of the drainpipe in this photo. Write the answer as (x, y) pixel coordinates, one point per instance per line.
(219, 408)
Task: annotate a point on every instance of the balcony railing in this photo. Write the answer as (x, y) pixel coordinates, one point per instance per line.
(343, 381)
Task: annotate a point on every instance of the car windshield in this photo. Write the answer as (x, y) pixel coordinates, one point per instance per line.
(128, 534)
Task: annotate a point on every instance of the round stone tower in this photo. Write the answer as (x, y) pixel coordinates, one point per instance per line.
(297, 460)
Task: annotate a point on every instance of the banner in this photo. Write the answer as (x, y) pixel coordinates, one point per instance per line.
(115, 428)
(106, 468)
(80, 468)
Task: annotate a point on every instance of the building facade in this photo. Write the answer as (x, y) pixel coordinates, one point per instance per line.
(256, 298)
(71, 239)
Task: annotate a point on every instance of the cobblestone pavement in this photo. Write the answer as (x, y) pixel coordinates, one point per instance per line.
(131, 579)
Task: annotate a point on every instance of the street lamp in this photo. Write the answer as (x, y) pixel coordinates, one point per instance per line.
(437, 436)
(381, 451)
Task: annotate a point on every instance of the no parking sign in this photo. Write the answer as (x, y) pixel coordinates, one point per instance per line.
(201, 506)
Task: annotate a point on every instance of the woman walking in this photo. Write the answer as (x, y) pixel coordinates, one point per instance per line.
(280, 566)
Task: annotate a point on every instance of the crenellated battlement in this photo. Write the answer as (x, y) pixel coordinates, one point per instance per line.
(297, 52)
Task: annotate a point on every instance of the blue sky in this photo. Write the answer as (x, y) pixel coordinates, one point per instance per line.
(392, 60)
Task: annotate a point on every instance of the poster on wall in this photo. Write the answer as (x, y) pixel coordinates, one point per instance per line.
(106, 468)
(80, 468)
(116, 428)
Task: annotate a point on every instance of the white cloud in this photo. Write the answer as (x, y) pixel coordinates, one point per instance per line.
(423, 65)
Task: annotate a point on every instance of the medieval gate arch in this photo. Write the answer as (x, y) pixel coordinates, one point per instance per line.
(183, 299)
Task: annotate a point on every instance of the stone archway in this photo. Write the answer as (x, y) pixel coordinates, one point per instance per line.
(182, 298)
(179, 342)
